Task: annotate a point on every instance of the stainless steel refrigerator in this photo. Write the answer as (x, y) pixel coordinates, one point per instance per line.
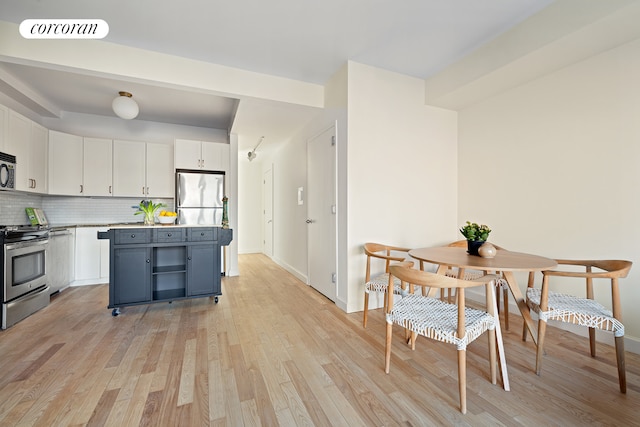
(199, 197)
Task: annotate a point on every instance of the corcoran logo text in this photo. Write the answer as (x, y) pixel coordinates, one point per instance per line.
(64, 29)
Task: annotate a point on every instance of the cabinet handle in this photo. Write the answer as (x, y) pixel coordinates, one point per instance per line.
(168, 234)
(81, 188)
(35, 183)
(148, 261)
(202, 234)
(143, 191)
(147, 191)
(109, 189)
(133, 236)
(189, 258)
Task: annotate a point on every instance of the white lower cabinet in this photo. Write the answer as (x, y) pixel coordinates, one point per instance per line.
(91, 257)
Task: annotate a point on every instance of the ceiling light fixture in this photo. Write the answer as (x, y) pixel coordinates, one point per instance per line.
(252, 154)
(125, 107)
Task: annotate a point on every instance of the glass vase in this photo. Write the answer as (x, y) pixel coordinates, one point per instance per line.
(149, 218)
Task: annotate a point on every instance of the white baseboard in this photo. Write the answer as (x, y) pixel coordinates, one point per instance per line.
(299, 275)
(88, 282)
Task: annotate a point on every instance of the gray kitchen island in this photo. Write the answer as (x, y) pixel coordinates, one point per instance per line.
(164, 263)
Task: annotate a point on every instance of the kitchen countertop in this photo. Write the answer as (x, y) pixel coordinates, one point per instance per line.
(158, 225)
(128, 225)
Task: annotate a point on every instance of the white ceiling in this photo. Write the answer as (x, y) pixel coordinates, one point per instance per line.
(296, 39)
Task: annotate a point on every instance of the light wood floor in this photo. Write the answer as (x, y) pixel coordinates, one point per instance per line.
(274, 352)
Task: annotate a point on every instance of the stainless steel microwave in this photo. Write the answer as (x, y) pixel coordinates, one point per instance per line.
(7, 171)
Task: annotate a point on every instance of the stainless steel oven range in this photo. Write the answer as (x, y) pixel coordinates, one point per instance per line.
(25, 289)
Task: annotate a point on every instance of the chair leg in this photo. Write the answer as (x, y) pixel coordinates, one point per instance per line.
(492, 355)
(462, 379)
(366, 308)
(505, 294)
(622, 376)
(592, 341)
(387, 347)
(542, 327)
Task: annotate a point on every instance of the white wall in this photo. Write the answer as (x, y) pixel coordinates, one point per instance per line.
(290, 228)
(249, 205)
(402, 174)
(552, 167)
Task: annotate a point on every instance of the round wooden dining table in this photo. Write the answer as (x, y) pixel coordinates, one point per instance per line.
(505, 262)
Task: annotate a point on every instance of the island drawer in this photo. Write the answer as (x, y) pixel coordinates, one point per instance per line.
(169, 235)
(202, 234)
(128, 237)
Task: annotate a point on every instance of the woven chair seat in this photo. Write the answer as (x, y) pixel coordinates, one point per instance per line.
(437, 319)
(381, 282)
(572, 309)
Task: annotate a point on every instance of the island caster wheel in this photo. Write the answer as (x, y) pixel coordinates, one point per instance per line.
(215, 300)
(115, 312)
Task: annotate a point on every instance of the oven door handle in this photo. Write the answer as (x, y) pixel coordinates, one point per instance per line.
(29, 243)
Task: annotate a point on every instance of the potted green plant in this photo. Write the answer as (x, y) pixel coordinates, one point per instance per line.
(148, 209)
(476, 235)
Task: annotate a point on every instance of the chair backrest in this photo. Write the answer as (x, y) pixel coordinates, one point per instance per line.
(428, 279)
(384, 252)
(606, 269)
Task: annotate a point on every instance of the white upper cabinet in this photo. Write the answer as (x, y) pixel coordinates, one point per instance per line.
(65, 164)
(38, 158)
(211, 156)
(160, 173)
(188, 154)
(27, 141)
(4, 127)
(97, 167)
(129, 172)
(142, 169)
(17, 144)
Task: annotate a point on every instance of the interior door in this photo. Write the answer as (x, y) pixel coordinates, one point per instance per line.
(267, 197)
(321, 213)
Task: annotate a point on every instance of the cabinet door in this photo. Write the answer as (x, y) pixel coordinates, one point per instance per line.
(38, 158)
(65, 164)
(90, 255)
(160, 173)
(129, 168)
(4, 127)
(188, 154)
(203, 269)
(212, 156)
(17, 144)
(97, 167)
(132, 270)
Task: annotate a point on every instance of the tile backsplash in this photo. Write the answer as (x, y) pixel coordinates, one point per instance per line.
(12, 204)
(70, 210)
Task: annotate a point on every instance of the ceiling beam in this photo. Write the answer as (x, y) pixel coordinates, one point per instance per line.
(560, 35)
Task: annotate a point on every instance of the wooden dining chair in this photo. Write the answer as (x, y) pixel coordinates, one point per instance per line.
(378, 282)
(443, 321)
(583, 311)
(501, 282)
